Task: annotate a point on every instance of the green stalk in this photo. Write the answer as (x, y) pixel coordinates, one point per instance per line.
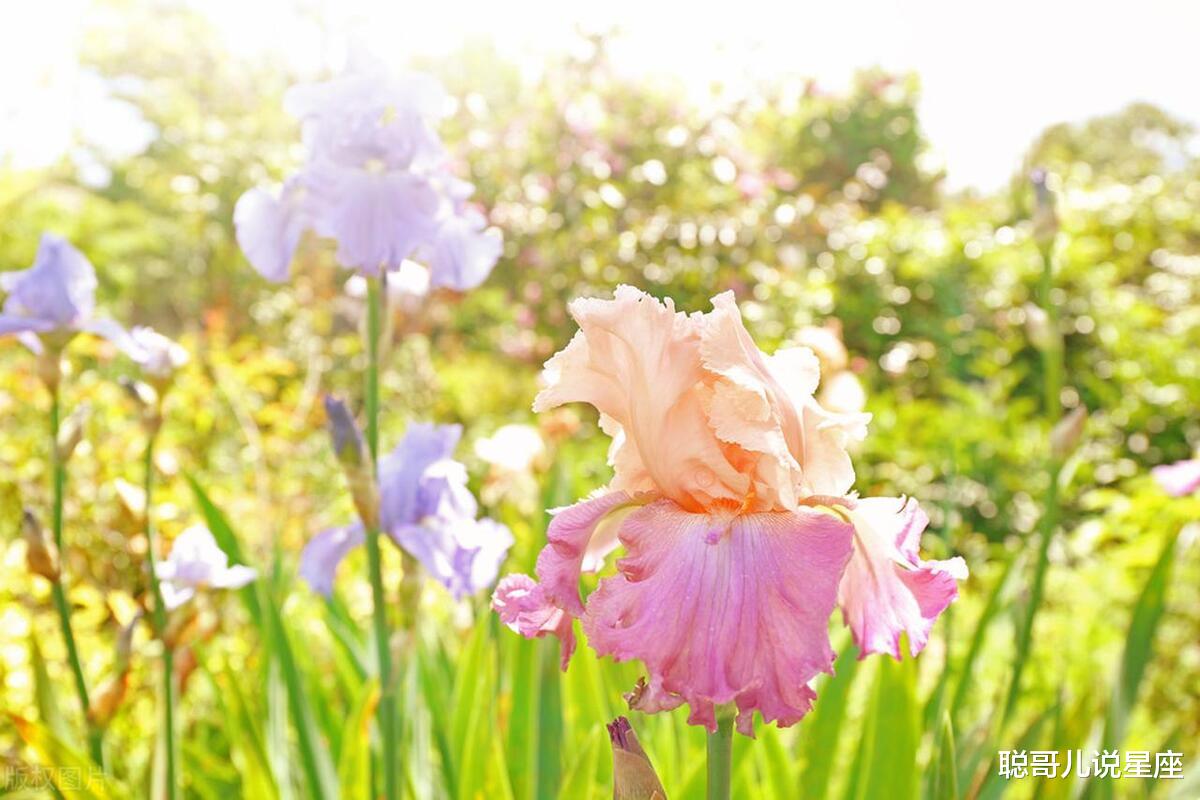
(720, 759)
(387, 699)
(1052, 383)
(160, 621)
(58, 589)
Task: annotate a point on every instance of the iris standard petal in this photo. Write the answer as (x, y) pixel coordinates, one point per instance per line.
(637, 361)
(724, 609)
(887, 589)
(60, 287)
(324, 553)
(378, 218)
(402, 470)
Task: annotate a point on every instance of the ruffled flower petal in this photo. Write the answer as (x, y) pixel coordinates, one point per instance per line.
(567, 541)
(724, 609)
(887, 590)
(637, 361)
(269, 227)
(522, 605)
(323, 554)
(197, 562)
(1178, 479)
(59, 288)
(406, 494)
(463, 252)
(377, 218)
(114, 332)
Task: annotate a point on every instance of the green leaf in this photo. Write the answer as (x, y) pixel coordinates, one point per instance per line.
(966, 669)
(73, 774)
(354, 760)
(44, 694)
(247, 748)
(579, 783)
(945, 766)
(264, 610)
(894, 733)
(820, 733)
(222, 531)
(1139, 649)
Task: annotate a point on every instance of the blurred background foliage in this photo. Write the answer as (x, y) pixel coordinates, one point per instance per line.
(810, 206)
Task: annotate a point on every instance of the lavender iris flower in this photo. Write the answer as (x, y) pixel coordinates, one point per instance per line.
(55, 299)
(198, 562)
(376, 181)
(426, 509)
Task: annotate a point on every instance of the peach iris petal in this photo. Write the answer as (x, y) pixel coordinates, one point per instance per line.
(887, 589)
(765, 405)
(637, 361)
(723, 608)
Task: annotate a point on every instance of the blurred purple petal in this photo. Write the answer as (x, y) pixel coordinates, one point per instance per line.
(59, 288)
(463, 252)
(160, 357)
(324, 553)
(1178, 479)
(269, 228)
(196, 562)
(377, 218)
(464, 554)
(111, 330)
(400, 473)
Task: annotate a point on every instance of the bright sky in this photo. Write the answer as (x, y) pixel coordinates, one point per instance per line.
(994, 74)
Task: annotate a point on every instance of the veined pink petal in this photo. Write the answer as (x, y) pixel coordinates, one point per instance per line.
(567, 540)
(523, 607)
(887, 589)
(724, 609)
(1178, 479)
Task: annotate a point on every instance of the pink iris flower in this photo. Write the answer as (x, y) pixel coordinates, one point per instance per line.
(732, 499)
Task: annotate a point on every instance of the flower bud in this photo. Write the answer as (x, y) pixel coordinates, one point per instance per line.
(1067, 432)
(106, 700)
(633, 775)
(1041, 332)
(70, 433)
(1045, 220)
(182, 625)
(142, 393)
(352, 454)
(41, 554)
(49, 365)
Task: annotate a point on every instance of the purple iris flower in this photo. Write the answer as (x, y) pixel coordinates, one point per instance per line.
(55, 299)
(426, 509)
(376, 181)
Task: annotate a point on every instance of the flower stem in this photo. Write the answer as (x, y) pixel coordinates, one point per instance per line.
(160, 623)
(720, 759)
(386, 712)
(58, 589)
(1053, 368)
